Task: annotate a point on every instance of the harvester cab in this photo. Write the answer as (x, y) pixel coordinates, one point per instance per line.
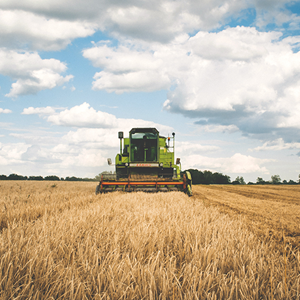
(146, 163)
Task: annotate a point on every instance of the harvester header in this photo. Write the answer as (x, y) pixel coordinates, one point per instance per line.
(146, 163)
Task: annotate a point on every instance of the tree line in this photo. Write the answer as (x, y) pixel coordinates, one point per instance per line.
(208, 177)
(49, 178)
(198, 177)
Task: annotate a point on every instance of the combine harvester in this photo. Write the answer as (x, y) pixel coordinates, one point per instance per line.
(146, 163)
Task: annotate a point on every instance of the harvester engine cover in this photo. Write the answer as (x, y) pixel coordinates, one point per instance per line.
(146, 163)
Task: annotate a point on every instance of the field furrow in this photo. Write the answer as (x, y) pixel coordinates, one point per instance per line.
(270, 211)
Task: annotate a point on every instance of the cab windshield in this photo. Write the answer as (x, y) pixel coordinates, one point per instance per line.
(143, 146)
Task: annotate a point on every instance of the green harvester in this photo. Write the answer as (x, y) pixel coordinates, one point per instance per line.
(146, 163)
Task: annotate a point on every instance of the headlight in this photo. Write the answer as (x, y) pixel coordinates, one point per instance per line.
(161, 164)
(126, 164)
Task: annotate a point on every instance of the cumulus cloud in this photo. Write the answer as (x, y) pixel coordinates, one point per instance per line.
(238, 163)
(95, 129)
(11, 153)
(52, 25)
(85, 116)
(32, 73)
(48, 153)
(277, 145)
(156, 21)
(161, 20)
(238, 78)
(87, 146)
(21, 29)
(217, 128)
(126, 70)
(35, 153)
(38, 110)
(276, 13)
(5, 111)
(141, 81)
(232, 79)
(184, 148)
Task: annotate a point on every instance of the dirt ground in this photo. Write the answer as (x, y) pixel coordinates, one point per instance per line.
(271, 211)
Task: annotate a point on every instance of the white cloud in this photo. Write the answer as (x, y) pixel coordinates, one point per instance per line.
(11, 153)
(85, 158)
(38, 110)
(245, 68)
(27, 21)
(236, 44)
(275, 12)
(219, 128)
(277, 145)
(95, 138)
(142, 81)
(83, 116)
(5, 111)
(35, 153)
(52, 24)
(122, 59)
(238, 78)
(238, 163)
(32, 73)
(22, 28)
(126, 70)
(189, 148)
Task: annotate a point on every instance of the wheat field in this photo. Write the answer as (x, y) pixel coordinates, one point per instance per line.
(268, 210)
(60, 241)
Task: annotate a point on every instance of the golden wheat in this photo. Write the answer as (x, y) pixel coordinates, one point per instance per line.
(59, 241)
(268, 209)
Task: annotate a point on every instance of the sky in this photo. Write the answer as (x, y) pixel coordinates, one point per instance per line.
(224, 75)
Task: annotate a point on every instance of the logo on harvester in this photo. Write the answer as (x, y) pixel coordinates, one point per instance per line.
(143, 165)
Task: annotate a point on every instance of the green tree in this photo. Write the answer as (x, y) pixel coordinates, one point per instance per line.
(242, 181)
(259, 180)
(207, 177)
(275, 179)
(52, 178)
(35, 178)
(239, 180)
(16, 177)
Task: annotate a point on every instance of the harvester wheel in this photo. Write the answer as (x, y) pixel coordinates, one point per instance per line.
(189, 190)
(97, 189)
(189, 183)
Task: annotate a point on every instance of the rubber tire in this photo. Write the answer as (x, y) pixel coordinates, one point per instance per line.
(97, 189)
(189, 191)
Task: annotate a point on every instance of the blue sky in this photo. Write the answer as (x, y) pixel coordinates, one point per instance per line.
(224, 75)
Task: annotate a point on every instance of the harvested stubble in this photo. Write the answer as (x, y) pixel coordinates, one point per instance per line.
(132, 246)
(268, 210)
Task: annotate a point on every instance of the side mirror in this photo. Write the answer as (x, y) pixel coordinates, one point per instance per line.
(177, 161)
(109, 161)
